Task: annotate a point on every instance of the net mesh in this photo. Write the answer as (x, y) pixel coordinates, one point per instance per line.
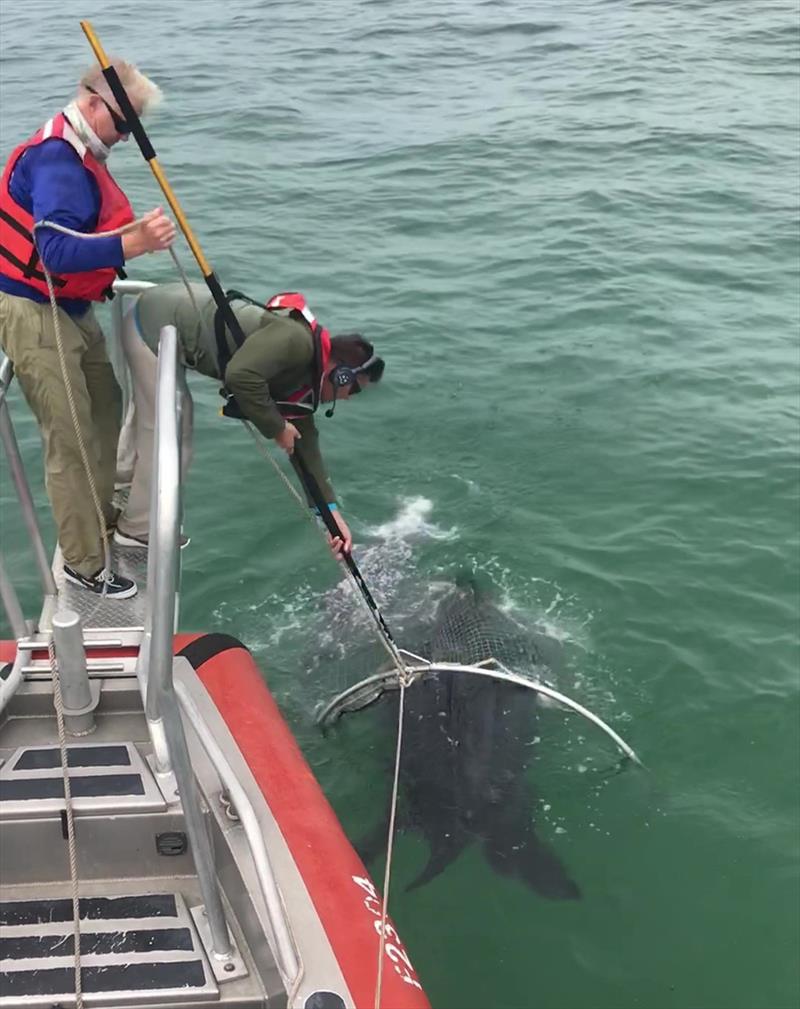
(469, 629)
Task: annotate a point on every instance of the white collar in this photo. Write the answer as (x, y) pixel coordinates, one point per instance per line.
(85, 132)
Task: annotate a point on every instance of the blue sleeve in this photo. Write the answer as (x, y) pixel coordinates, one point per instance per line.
(60, 189)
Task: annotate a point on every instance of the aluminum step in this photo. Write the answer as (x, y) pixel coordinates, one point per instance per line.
(135, 950)
(104, 778)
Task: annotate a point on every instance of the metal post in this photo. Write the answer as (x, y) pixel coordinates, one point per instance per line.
(10, 685)
(115, 352)
(151, 693)
(76, 694)
(21, 482)
(14, 614)
(162, 576)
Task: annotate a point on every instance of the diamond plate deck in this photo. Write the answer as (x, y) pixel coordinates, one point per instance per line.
(97, 612)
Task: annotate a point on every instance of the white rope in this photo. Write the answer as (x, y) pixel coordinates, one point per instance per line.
(105, 576)
(70, 818)
(404, 679)
(262, 448)
(387, 875)
(73, 410)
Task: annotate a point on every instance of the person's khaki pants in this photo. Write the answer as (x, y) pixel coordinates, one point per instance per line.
(27, 336)
(136, 453)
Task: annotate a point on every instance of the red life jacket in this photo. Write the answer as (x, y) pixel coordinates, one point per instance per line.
(304, 401)
(18, 255)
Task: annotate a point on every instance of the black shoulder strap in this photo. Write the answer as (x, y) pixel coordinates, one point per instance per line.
(316, 365)
(221, 330)
(233, 295)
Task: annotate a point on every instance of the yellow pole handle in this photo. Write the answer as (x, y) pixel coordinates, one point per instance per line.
(94, 42)
(155, 168)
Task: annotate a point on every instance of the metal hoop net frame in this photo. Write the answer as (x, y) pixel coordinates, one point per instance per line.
(368, 690)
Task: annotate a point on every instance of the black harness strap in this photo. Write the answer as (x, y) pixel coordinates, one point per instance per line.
(26, 267)
(29, 268)
(12, 222)
(221, 330)
(33, 260)
(316, 365)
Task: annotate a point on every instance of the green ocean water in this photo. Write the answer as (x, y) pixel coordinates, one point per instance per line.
(572, 230)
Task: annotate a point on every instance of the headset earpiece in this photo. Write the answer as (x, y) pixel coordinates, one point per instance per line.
(342, 376)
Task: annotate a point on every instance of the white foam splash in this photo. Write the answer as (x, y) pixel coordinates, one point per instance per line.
(412, 521)
(473, 487)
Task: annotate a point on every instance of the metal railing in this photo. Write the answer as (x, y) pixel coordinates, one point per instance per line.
(25, 498)
(161, 706)
(286, 954)
(165, 702)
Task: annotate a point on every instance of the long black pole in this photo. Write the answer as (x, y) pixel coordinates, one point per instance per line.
(326, 515)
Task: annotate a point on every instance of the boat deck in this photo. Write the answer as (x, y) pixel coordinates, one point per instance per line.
(142, 923)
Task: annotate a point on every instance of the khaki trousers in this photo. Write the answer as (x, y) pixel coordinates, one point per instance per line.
(136, 453)
(27, 336)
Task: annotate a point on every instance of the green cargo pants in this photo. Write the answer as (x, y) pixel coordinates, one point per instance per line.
(27, 336)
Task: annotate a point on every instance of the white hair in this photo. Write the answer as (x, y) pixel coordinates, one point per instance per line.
(143, 93)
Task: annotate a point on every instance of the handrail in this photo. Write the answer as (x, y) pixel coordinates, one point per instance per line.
(123, 287)
(156, 653)
(287, 956)
(23, 489)
(8, 686)
(6, 375)
(161, 706)
(14, 614)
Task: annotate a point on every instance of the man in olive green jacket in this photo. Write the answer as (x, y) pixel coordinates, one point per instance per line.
(279, 376)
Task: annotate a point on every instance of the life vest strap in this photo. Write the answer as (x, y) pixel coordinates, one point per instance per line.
(27, 269)
(12, 222)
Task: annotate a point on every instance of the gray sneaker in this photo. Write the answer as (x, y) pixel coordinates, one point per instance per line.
(141, 542)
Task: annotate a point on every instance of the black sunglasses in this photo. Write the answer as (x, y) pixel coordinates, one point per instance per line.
(120, 125)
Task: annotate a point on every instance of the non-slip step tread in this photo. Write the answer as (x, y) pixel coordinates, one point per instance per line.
(45, 757)
(80, 786)
(139, 948)
(180, 974)
(39, 911)
(148, 940)
(104, 778)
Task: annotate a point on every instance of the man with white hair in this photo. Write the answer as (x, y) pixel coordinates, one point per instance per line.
(60, 175)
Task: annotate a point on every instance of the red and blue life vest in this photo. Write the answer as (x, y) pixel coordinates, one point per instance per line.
(19, 258)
